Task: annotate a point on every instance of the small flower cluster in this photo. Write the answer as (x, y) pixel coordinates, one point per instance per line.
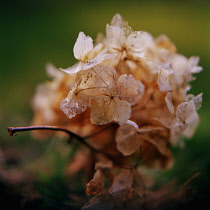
(135, 84)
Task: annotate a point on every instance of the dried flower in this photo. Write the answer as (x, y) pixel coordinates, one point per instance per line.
(136, 84)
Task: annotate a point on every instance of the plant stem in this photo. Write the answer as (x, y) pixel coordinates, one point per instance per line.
(13, 130)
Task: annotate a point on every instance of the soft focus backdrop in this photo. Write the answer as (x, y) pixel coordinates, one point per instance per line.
(34, 33)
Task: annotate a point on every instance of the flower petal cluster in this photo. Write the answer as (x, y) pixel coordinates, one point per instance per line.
(136, 84)
(109, 99)
(120, 37)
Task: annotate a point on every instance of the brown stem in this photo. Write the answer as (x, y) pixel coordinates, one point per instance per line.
(13, 130)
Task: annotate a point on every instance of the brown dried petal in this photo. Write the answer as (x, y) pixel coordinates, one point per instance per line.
(105, 109)
(72, 107)
(131, 90)
(96, 184)
(122, 181)
(127, 139)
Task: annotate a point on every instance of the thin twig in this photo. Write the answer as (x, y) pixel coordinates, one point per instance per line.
(13, 130)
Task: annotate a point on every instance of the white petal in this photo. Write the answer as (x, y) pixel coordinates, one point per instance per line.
(53, 72)
(137, 43)
(179, 67)
(97, 60)
(83, 45)
(196, 99)
(185, 112)
(118, 21)
(129, 122)
(193, 64)
(169, 102)
(164, 80)
(72, 107)
(73, 69)
(184, 69)
(116, 38)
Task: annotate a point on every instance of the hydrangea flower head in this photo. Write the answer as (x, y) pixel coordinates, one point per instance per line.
(134, 84)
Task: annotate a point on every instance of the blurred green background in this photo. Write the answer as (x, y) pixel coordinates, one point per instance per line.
(34, 33)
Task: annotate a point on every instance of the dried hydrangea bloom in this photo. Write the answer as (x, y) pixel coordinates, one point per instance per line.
(134, 84)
